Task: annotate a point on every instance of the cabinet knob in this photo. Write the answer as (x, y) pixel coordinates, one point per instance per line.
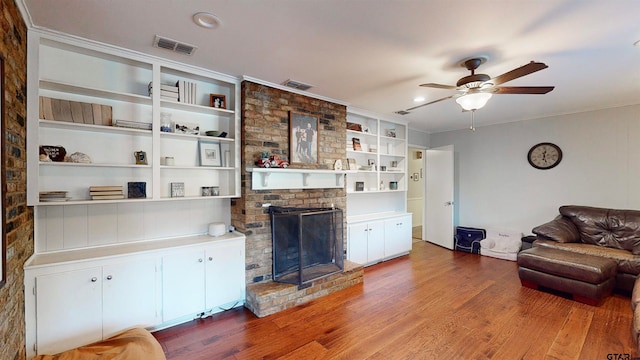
(210, 258)
(200, 260)
(94, 279)
(109, 277)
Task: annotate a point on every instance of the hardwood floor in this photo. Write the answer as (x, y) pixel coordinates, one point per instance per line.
(432, 304)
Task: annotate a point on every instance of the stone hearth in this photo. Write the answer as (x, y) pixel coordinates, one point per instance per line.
(268, 298)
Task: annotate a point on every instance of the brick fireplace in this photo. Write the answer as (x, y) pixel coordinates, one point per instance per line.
(265, 127)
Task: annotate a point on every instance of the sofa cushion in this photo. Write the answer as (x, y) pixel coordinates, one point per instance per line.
(627, 262)
(618, 229)
(560, 229)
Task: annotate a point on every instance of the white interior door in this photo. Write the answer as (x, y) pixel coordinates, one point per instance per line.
(439, 199)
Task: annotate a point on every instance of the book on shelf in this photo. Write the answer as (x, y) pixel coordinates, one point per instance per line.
(105, 188)
(132, 124)
(163, 88)
(97, 114)
(87, 113)
(186, 92)
(114, 192)
(106, 197)
(76, 112)
(47, 108)
(106, 115)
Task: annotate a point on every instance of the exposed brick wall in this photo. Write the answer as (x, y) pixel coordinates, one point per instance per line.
(265, 127)
(19, 218)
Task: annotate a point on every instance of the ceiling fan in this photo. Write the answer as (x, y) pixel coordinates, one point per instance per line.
(476, 89)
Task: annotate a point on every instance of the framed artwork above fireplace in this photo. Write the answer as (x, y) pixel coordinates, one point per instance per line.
(303, 138)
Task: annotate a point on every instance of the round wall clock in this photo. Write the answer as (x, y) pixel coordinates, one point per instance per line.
(544, 156)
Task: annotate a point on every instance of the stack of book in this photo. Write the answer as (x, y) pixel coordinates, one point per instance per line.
(131, 124)
(186, 92)
(106, 192)
(74, 111)
(167, 92)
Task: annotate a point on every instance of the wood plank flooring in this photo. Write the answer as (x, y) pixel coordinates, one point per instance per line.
(432, 304)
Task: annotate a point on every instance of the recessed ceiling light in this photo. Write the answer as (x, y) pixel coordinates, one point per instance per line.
(206, 20)
(419, 99)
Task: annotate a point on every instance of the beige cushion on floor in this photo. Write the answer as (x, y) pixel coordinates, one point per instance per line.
(134, 344)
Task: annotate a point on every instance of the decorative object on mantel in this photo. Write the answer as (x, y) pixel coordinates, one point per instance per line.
(272, 161)
(303, 138)
(337, 165)
(55, 153)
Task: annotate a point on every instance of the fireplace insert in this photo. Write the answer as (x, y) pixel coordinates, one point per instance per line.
(307, 244)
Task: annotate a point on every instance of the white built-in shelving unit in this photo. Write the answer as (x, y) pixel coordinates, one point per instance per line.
(101, 266)
(378, 226)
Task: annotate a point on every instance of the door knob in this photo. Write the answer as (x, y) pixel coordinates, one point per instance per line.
(448, 203)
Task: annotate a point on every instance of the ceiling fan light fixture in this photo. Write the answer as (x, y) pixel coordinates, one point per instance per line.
(473, 101)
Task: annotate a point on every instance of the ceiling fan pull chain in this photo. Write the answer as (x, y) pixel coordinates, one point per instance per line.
(472, 127)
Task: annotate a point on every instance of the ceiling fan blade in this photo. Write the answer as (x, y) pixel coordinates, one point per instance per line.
(518, 72)
(522, 89)
(432, 102)
(439, 86)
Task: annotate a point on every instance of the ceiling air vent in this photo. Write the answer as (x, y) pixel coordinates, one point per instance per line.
(402, 112)
(297, 85)
(169, 44)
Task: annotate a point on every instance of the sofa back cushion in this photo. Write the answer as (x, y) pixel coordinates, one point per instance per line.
(618, 229)
(560, 229)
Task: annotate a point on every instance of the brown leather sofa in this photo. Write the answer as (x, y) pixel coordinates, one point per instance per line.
(608, 233)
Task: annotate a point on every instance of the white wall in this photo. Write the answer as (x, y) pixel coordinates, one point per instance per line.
(496, 187)
(418, 138)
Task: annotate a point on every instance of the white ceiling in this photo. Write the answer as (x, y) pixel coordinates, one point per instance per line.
(373, 54)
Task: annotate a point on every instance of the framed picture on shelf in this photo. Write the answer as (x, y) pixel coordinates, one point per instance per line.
(210, 153)
(218, 101)
(351, 164)
(303, 138)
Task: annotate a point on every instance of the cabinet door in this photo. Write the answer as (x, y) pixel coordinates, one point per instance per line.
(397, 236)
(375, 247)
(357, 243)
(182, 284)
(129, 296)
(224, 274)
(68, 310)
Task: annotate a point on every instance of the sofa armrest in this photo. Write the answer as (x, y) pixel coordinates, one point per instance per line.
(559, 229)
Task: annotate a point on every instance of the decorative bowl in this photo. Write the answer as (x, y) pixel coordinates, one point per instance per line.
(212, 133)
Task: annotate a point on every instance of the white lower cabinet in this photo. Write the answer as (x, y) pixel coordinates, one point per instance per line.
(376, 240)
(212, 277)
(81, 296)
(77, 307)
(397, 236)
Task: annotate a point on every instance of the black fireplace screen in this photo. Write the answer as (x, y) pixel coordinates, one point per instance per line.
(307, 244)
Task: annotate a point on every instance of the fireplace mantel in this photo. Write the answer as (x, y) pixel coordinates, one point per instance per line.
(278, 179)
